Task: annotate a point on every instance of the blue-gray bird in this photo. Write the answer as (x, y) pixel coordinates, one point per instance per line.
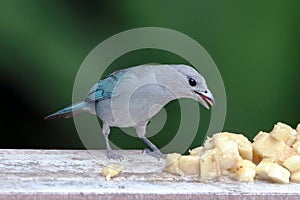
(131, 97)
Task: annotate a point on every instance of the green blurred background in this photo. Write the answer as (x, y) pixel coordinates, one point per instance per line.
(255, 44)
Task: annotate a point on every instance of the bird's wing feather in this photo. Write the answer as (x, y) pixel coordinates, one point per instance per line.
(104, 88)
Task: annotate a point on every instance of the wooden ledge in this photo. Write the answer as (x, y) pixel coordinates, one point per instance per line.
(74, 174)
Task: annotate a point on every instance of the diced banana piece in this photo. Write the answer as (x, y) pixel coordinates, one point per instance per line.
(295, 177)
(222, 154)
(262, 169)
(209, 164)
(220, 140)
(279, 174)
(284, 133)
(196, 152)
(228, 142)
(256, 158)
(246, 172)
(267, 146)
(112, 170)
(209, 143)
(172, 162)
(244, 146)
(227, 155)
(298, 133)
(260, 134)
(296, 147)
(246, 152)
(189, 165)
(292, 163)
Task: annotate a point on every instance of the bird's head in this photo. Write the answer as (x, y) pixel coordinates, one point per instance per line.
(194, 85)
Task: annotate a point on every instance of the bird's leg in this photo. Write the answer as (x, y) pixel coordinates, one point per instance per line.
(109, 152)
(155, 151)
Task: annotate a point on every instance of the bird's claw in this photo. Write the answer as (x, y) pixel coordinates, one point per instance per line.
(156, 153)
(112, 155)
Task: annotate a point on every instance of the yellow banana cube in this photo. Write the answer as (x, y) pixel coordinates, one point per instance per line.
(295, 177)
(292, 163)
(296, 147)
(209, 164)
(284, 133)
(189, 165)
(172, 164)
(279, 174)
(267, 146)
(298, 128)
(262, 169)
(196, 151)
(246, 172)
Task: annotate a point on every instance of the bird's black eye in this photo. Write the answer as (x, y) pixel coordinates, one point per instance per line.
(205, 91)
(192, 82)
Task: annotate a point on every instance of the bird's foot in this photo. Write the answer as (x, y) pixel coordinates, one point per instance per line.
(156, 153)
(111, 155)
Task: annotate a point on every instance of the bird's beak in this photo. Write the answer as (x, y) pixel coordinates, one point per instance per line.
(205, 98)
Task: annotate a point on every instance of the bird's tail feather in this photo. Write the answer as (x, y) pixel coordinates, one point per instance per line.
(68, 111)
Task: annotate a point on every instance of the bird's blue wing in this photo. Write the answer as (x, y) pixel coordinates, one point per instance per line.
(104, 88)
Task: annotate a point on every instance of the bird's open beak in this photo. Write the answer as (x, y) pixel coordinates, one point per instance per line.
(206, 98)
